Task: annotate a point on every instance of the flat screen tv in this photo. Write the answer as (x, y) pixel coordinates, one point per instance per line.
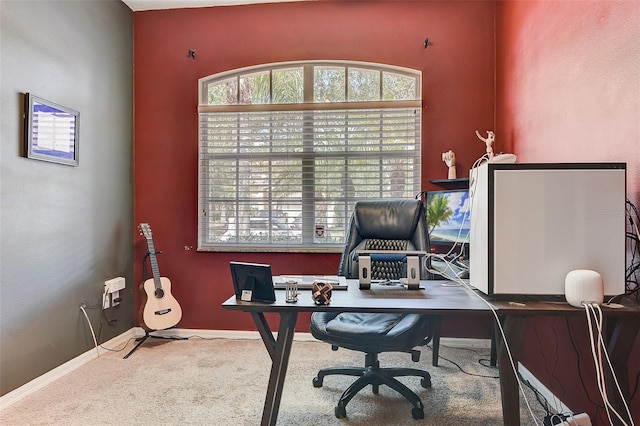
(448, 216)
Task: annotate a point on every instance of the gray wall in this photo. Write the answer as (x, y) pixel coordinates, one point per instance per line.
(64, 230)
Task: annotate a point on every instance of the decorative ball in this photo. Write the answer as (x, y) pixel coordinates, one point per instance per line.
(321, 292)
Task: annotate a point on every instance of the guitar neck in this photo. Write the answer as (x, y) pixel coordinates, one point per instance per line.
(154, 264)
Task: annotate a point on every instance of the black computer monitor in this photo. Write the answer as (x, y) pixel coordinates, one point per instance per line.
(448, 217)
(252, 282)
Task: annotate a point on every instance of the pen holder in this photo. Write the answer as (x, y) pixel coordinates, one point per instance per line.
(291, 291)
(321, 293)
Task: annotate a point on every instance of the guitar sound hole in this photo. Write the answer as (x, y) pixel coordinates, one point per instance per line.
(159, 293)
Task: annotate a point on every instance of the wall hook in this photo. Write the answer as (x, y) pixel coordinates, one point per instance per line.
(426, 42)
(191, 54)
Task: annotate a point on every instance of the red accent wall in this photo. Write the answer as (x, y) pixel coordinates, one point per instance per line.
(558, 81)
(568, 89)
(458, 98)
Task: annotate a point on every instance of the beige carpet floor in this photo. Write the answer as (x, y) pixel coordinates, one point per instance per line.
(223, 382)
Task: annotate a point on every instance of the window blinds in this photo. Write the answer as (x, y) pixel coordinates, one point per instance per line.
(291, 177)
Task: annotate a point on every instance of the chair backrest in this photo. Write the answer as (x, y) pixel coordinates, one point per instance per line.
(385, 224)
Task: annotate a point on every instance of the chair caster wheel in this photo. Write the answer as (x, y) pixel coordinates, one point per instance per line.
(425, 382)
(417, 413)
(317, 382)
(341, 412)
(375, 389)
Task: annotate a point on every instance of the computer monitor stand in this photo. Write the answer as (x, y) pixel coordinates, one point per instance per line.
(413, 266)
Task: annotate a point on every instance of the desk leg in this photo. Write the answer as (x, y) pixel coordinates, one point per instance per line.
(513, 327)
(437, 324)
(265, 332)
(495, 338)
(279, 351)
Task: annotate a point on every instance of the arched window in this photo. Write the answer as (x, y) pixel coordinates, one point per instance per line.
(286, 149)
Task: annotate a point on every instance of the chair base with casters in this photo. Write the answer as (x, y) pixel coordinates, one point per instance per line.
(372, 374)
(352, 330)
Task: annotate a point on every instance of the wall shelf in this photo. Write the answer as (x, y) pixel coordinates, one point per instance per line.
(459, 183)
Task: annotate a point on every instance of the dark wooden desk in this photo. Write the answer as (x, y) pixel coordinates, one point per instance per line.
(623, 325)
(436, 298)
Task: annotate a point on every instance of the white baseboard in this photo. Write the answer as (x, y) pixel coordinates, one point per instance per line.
(49, 377)
(454, 342)
(463, 342)
(222, 334)
(207, 334)
(557, 405)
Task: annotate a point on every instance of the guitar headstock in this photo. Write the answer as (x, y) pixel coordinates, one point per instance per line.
(145, 229)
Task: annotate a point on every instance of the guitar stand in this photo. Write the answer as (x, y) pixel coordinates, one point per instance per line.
(147, 334)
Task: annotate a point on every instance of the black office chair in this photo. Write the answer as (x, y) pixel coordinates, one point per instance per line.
(389, 224)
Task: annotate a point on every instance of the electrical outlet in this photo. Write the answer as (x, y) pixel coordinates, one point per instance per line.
(114, 284)
(581, 419)
(111, 293)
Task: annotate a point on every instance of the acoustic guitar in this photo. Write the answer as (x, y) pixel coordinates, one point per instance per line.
(159, 310)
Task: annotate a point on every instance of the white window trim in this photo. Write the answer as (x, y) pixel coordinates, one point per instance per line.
(203, 108)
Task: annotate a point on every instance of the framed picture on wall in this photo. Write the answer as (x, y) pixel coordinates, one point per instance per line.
(51, 131)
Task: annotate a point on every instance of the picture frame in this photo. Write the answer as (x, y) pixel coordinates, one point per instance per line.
(51, 131)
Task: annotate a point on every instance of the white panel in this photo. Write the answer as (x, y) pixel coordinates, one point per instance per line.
(547, 222)
(479, 232)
